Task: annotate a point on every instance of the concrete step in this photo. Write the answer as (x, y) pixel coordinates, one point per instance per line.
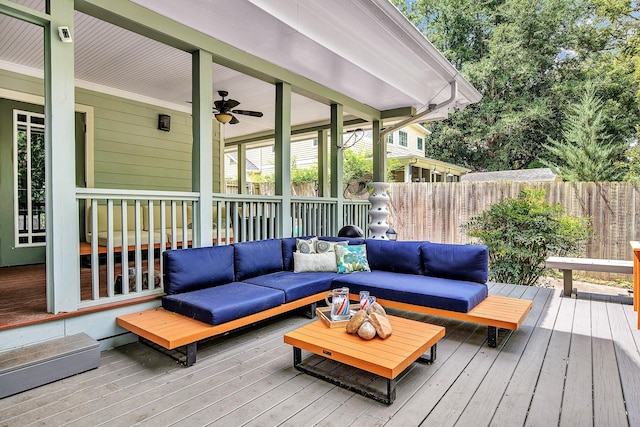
(38, 364)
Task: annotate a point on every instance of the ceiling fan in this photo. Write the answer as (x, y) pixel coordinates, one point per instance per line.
(223, 109)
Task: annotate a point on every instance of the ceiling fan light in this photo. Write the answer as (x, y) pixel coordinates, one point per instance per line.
(224, 117)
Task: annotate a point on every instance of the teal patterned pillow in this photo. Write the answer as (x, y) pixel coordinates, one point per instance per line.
(306, 246)
(352, 258)
(323, 246)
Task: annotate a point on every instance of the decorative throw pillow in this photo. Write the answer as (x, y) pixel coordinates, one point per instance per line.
(306, 246)
(314, 262)
(324, 246)
(352, 258)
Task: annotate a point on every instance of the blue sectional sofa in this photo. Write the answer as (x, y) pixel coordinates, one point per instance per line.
(213, 290)
(223, 283)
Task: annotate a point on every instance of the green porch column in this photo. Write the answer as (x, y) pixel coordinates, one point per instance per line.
(202, 150)
(283, 156)
(379, 153)
(323, 163)
(61, 212)
(242, 168)
(337, 162)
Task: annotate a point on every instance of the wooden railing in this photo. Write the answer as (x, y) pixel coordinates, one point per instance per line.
(134, 228)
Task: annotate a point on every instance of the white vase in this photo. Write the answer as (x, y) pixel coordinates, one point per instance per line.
(379, 211)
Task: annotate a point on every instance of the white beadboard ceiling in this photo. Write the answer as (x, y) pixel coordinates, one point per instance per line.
(363, 48)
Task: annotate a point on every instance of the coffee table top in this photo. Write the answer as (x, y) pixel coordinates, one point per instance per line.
(387, 358)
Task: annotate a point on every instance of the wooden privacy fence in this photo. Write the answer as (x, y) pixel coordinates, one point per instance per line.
(436, 211)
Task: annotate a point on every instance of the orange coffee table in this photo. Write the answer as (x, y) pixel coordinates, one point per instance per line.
(386, 358)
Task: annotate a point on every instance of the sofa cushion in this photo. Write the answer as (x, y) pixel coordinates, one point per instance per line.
(399, 257)
(306, 245)
(427, 291)
(351, 240)
(314, 262)
(295, 285)
(352, 258)
(257, 258)
(454, 261)
(324, 246)
(223, 303)
(288, 248)
(196, 268)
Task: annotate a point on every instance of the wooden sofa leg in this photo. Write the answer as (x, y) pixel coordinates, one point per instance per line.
(492, 338)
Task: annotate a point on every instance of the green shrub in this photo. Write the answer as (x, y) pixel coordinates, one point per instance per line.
(522, 233)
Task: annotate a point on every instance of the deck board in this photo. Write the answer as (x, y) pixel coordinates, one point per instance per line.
(246, 378)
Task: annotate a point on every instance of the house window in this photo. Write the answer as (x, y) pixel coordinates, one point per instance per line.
(403, 139)
(29, 177)
(390, 138)
(420, 144)
(315, 142)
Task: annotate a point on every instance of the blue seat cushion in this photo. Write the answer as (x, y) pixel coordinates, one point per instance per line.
(223, 303)
(455, 261)
(257, 258)
(187, 270)
(288, 248)
(399, 257)
(435, 292)
(295, 285)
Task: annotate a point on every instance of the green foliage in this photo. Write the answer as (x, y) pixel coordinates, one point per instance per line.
(358, 164)
(586, 151)
(522, 233)
(530, 59)
(303, 176)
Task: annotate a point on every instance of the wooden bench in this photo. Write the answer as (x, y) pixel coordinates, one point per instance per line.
(496, 312)
(171, 330)
(568, 264)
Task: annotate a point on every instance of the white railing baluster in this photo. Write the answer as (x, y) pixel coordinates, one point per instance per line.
(95, 256)
(110, 249)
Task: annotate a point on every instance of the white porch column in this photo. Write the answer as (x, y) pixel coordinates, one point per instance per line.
(337, 160)
(283, 156)
(63, 247)
(202, 150)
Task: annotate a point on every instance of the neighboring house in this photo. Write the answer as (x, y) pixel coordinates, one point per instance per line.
(406, 146)
(119, 96)
(522, 175)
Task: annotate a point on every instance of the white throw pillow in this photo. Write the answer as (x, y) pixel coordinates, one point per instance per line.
(314, 262)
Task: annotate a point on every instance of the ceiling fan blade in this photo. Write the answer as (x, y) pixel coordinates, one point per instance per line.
(248, 113)
(218, 104)
(234, 120)
(231, 103)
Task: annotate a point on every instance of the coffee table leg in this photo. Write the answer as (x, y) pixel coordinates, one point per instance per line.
(297, 357)
(391, 391)
(492, 338)
(432, 355)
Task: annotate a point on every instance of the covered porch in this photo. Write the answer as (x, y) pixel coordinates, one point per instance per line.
(573, 362)
(121, 97)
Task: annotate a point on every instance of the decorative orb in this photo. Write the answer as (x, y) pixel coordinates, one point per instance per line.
(350, 231)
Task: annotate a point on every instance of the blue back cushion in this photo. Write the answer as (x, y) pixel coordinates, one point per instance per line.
(351, 240)
(398, 257)
(258, 258)
(288, 248)
(453, 261)
(197, 268)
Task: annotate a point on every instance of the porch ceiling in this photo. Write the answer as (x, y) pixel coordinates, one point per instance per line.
(364, 49)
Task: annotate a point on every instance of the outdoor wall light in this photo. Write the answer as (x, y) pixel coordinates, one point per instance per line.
(224, 117)
(164, 122)
(65, 34)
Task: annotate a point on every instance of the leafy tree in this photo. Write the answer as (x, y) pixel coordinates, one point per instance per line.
(586, 152)
(358, 164)
(529, 59)
(522, 233)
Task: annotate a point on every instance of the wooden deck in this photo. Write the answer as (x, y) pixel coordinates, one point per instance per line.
(572, 362)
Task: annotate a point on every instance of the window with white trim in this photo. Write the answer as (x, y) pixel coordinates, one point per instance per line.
(420, 144)
(29, 178)
(403, 139)
(389, 138)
